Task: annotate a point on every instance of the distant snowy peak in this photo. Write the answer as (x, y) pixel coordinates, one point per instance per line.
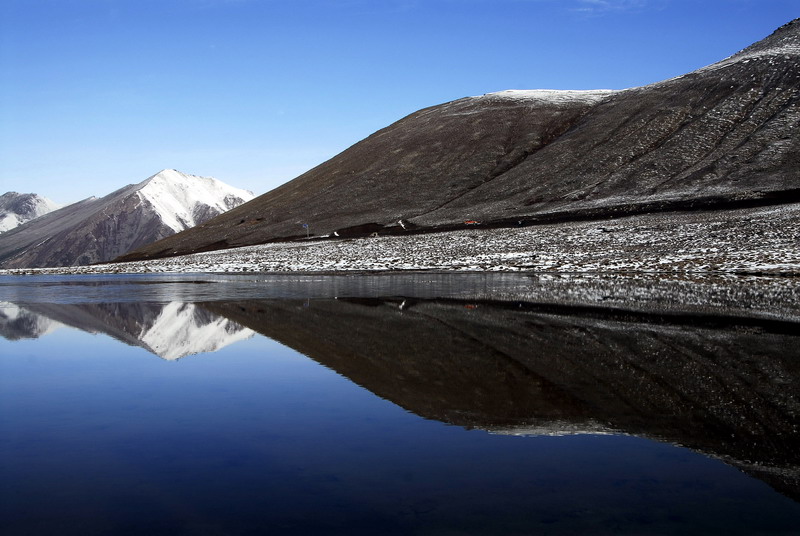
(183, 201)
(16, 209)
(102, 229)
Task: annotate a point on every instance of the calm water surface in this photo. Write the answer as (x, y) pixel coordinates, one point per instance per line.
(418, 404)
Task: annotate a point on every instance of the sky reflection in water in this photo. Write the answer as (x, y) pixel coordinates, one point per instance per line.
(99, 437)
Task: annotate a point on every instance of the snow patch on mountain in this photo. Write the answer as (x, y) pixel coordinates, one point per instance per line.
(553, 96)
(786, 51)
(785, 46)
(183, 201)
(181, 329)
(16, 209)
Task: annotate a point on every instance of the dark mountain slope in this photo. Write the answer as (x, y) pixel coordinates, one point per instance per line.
(711, 138)
(54, 227)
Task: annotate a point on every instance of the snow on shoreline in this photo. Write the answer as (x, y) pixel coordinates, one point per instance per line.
(745, 241)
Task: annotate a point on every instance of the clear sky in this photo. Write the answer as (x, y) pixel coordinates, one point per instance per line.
(97, 94)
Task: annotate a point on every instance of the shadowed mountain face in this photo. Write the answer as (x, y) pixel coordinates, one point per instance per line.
(720, 136)
(719, 386)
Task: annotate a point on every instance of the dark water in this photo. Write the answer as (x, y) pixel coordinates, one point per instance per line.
(420, 404)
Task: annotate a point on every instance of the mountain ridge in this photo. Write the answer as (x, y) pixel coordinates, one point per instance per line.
(99, 229)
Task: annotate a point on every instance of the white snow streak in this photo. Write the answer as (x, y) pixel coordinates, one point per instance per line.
(553, 96)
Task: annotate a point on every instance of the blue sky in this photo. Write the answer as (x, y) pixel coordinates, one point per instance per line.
(97, 94)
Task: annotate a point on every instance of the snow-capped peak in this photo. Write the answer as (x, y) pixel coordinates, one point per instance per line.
(183, 201)
(16, 209)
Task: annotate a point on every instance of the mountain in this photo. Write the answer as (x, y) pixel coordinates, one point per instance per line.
(96, 230)
(16, 209)
(722, 136)
(170, 331)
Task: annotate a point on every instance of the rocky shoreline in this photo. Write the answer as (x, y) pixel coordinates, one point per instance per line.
(750, 241)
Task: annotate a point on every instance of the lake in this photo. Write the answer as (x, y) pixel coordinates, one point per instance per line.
(399, 404)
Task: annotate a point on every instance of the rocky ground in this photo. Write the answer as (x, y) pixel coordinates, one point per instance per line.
(762, 240)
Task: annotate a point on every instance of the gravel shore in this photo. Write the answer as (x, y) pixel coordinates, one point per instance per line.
(747, 241)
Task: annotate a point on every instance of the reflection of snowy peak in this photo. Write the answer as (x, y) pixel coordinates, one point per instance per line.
(170, 331)
(96, 230)
(18, 323)
(183, 329)
(16, 209)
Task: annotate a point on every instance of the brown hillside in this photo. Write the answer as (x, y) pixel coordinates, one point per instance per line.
(717, 137)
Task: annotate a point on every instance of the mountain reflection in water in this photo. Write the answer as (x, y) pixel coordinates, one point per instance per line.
(728, 387)
(170, 331)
